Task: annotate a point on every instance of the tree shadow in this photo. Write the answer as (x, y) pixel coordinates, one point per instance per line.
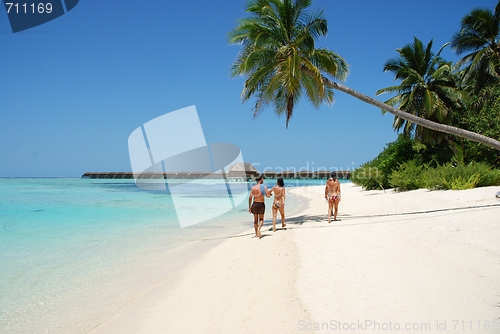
(297, 221)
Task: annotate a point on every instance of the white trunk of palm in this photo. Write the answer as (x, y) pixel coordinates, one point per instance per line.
(415, 119)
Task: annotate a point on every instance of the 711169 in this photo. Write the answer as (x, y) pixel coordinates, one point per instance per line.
(25, 8)
(27, 14)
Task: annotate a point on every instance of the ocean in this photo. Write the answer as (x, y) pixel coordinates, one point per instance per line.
(73, 252)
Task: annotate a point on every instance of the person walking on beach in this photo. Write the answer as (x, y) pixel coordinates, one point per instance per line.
(279, 202)
(332, 194)
(256, 204)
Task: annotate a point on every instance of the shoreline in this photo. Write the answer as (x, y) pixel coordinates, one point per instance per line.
(419, 256)
(68, 270)
(124, 319)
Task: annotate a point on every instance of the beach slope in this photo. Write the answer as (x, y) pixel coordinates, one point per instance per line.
(414, 261)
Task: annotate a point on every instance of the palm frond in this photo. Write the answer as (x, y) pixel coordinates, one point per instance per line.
(277, 49)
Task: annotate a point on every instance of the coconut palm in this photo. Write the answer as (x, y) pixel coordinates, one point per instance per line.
(480, 35)
(427, 89)
(281, 63)
(278, 41)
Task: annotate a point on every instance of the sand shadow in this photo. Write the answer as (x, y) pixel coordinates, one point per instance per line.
(298, 221)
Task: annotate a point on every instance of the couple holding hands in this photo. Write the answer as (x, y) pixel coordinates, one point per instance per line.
(258, 208)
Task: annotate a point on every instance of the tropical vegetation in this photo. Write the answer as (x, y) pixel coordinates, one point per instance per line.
(465, 94)
(407, 164)
(479, 35)
(279, 56)
(428, 89)
(448, 115)
(281, 63)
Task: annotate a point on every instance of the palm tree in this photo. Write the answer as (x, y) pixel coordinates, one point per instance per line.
(427, 89)
(280, 61)
(480, 35)
(278, 41)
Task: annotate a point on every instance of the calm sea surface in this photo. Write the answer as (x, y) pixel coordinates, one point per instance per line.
(74, 251)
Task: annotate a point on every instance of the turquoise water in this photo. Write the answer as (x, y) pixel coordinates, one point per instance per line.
(74, 251)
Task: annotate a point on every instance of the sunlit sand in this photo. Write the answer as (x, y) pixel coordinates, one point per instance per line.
(415, 260)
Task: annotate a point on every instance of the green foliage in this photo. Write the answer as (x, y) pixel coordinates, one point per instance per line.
(484, 120)
(279, 58)
(406, 165)
(465, 95)
(462, 182)
(461, 177)
(408, 176)
(374, 174)
(368, 177)
(478, 38)
(428, 89)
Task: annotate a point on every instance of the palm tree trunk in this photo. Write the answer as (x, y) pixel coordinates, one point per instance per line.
(414, 119)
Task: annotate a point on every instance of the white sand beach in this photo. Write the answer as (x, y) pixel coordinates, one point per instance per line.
(414, 261)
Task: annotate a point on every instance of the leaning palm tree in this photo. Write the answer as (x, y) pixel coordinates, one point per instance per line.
(428, 89)
(479, 35)
(281, 63)
(278, 42)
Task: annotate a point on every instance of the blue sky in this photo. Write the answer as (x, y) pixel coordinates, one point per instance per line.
(73, 90)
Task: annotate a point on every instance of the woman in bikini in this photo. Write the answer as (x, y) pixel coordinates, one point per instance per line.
(332, 194)
(279, 202)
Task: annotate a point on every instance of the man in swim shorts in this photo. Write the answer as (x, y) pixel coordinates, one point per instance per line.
(257, 206)
(332, 194)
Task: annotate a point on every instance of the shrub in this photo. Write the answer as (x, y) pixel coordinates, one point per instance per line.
(461, 177)
(461, 182)
(434, 178)
(368, 177)
(407, 164)
(408, 176)
(482, 115)
(375, 173)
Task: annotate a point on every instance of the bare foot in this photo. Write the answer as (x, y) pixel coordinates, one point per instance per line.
(283, 225)
(274, 230)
